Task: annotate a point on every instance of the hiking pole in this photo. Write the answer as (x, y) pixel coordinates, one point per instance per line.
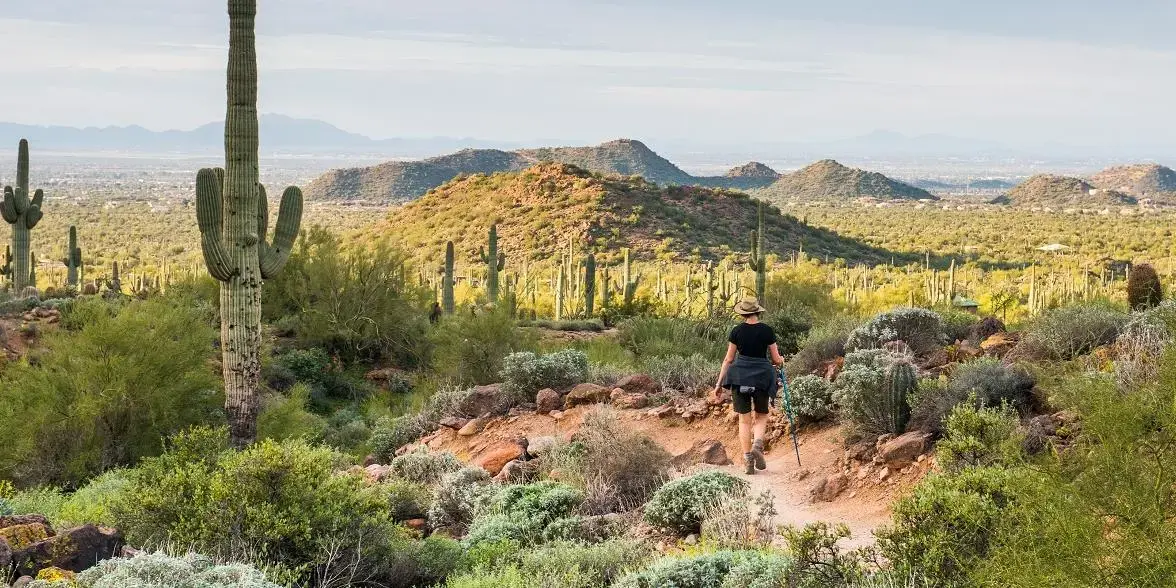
(788, 411)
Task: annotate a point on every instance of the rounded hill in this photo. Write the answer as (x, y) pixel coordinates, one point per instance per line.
(829, 180)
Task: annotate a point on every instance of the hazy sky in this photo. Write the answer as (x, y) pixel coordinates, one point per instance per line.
(1018, 71)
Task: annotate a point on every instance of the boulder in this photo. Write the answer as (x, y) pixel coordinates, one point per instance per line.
(5, 555)
(540, 446)
(496, 458)
(904, 449)
(473, 427)
(10, 520)
(513, 471)
(708, 451)
(20, 537)
(628, 400)
(22, 582)
(828, 488)
(377, 472)
(998, 345)
(586, 394)
(75, 550)
(639, 384)
(548, 400)
(455, 423)
(481, 400)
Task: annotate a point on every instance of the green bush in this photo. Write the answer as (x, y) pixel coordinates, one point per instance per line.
(681, 504)
(525, 373)
(460, 497)
(107, 394)
(825, 342)
(423, 466)
(1065, 333)
(390, 434)
(407, 500)
(958, 325)
(470, 348)
(720, 569)
(92, 503)
(285, 416)
(1143, 288)
(812, 398)
(976, 437)
(648, 336)
(689, 374)
(521, 513)
(921, 329)
(988, 382)
(585, 530)
(156, 569)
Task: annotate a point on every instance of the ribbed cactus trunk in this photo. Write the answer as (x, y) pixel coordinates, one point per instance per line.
(73, 259)
(447, 281)
(630, 283)
(589, 285)
(758, 259)
(23, 213)
(559, 293)
(233, 215)
(495, 262)
(900, 382)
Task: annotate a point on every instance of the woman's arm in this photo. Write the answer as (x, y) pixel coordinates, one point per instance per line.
(777, 359)
(727, 361)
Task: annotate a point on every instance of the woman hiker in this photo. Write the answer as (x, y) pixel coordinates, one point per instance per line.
(749, 373)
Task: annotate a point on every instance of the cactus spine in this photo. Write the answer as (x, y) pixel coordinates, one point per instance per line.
(23, 213)
(589, 285)
(495, 262)
(759, 260)
(232, 212)
(447, 281)
(900, 382)
(73, 259)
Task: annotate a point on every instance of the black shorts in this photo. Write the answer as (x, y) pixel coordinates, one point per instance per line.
(743, 402)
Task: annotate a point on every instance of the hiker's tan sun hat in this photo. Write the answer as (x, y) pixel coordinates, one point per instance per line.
(748, 306)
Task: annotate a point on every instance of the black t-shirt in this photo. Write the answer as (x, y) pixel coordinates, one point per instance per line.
(752, 340)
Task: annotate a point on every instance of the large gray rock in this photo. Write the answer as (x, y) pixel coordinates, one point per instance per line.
(76, 550)
(827, 489)
(903, 450)
(586, 394)
(639, 384)
(708, 451)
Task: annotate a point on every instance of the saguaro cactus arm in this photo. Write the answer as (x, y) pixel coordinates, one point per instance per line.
(209, 216)
(8, 207)
(33, 214)
(272, 256)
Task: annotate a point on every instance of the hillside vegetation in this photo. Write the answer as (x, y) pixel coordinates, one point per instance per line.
(1062, 191)
(830, 180)
(545, 207)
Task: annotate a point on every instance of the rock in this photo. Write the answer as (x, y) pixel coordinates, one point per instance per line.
(884, 474)
(20, 537)
(76, 550)
(455, 423)
(22, 582)
(513, 471)
(987, 327)
(381, 377)
(5, 555)
(998, 345)
(482, 400)
(473, 427)
(801, 475)
(862, 451)
(377, 472)
(522, 409)
(628, 400)
(639, 384)
(691, 539)
(540, 446)
(586, 394)
(370, 460)
(830, 369)
(496, 458)
(10, 520)
(935, 359)
(827, 489)
(548, 400)
(903, 450)
(557, 415)
(662, 412)
(708, 451)
(416, 524)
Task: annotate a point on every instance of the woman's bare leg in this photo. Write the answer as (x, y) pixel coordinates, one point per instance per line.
(747, 426)
(760, 430)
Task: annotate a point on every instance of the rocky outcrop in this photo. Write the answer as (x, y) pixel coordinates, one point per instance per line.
(705, 451)
(903, 450)
(548, 400)
(28, 544)
(586, 394)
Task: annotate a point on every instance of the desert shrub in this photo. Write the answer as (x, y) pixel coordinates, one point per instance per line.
(790, 328)
(105, 395)
(648, 336)
(1143, 288)
(921, 329)
(151, 570)
(277, 503)
(948, 524)
(592, 565)
(424, 466)
(521, 513)
(93, 503)
(860, 390)
(742, 523)
(358, 303)
(471, 348)
(525, 373)
(979, 436)
(584, 530)
(958, 325)
(812, 398)
(1065, 333)
(41, 500)
(618, 468)
(1140, 347)
(498, 528)
(818, 559)
(321, 374)
(459, 498)
(688, 374)
(719, 569)
(681, 504)
(771, 570)
(285, 416)
(987, 382)
(392, 433)
(407, 500)
(591, 326)
(824, 342)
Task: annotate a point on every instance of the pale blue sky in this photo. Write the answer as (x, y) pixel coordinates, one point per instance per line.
(1025, 73)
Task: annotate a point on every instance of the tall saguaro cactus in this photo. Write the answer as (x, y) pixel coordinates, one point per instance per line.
(447, 280)
(23, 213)
(758, 261)
(589, 285)
(495, 261)
(233, 215)
(73, 259)
(629, 287)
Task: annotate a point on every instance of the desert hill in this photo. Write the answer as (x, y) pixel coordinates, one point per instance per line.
(541, 209)
(1144, 180)
(1060, 191)
(400, 181)
(829, 180)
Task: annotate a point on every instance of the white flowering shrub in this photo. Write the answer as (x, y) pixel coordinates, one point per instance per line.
(525, 373)
(155, 570)
(921, 329)
(811, 397)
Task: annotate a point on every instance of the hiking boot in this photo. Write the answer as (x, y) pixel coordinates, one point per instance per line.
(748, 464)
(757, 454)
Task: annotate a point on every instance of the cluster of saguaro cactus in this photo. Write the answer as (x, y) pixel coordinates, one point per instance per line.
(23, 213)
(447, 280)
(495, 261)
(73, 259)
(233, 215)
(900, 382)
(758, 260)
